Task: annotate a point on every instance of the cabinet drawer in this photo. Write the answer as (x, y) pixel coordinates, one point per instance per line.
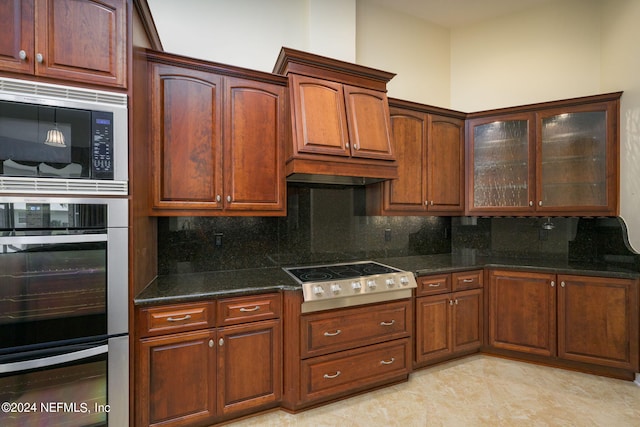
(232, 311)
(176, 318)
(467, 280)
(436, 284)
(353, 370)
(349, 328)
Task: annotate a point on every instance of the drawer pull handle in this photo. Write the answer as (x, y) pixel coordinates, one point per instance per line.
(467, 280)
(434, 285)
(383, 323)
(330, 377)
(179, 319)
(245, 310)
(384, 362)
(333, 334)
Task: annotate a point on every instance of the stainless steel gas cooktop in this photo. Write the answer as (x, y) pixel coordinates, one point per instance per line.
(341, 285)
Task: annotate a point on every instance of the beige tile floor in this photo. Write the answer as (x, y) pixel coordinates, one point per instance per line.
(479, 391)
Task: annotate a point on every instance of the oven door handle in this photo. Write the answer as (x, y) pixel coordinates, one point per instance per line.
(53, 360)
(61, 238)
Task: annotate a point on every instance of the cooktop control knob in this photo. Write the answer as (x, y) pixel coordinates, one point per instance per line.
(318, 291)
(371, 284)
(335, 288)
(404, 281)
(390, 282)
(356, 286)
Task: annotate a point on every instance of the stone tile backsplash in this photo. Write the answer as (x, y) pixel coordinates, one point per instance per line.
(329, 224)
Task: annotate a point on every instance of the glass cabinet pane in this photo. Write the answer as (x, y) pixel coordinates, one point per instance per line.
(501, 164)
(573, 166)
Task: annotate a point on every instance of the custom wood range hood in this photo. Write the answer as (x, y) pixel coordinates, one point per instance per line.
(340, 118)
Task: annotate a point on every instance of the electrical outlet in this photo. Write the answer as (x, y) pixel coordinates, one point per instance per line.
(387, 234)
(218, 239)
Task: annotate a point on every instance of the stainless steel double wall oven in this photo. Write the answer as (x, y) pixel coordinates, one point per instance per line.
(64, 345)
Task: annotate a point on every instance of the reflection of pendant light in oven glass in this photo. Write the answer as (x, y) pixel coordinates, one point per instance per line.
(55, 138)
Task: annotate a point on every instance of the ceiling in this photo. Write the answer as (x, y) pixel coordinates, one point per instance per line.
(457, 13)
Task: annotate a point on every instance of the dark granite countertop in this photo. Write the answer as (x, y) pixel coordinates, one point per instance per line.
(217, 284)
(433, 264)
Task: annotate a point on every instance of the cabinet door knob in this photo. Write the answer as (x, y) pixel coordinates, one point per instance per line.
(450, 302)
(553, 283)
(39, 58)
(228, 198)
(356, 146)
(530, 202)
(211, 343)
(346, 145)
(22, 55)
(540, 203)
(562, 284)
(218, 198)
(221, 342)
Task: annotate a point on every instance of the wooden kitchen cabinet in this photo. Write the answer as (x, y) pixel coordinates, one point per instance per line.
(176, 379)
(598, 321)
(449, 313)
(217, 141)
(74, 40)
(522, 311)
(212, 371)
(249, 366)
(593, 320)
(331, 354)
(340, 118)
(429, 147)
(555, 158)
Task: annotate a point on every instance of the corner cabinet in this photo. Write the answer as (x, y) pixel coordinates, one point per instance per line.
(79, 41)
(190, 373)
(577, 319)
(217, 140)
(556, 158)
(429, 147)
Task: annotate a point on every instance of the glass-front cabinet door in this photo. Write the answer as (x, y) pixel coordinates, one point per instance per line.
(576, 166)
(502, 164)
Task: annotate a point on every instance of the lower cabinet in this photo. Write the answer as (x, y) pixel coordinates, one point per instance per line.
(176, 379)
(582, 319)
(331, 354)
(217, 371)
(449, 313)
(249, 366)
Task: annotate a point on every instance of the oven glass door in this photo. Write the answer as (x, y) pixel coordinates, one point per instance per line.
(81, 388)
(52, 289)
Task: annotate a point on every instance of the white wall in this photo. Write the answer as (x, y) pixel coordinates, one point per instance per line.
(417, 51)
(250, 33)
(546, 53)
(621, 71)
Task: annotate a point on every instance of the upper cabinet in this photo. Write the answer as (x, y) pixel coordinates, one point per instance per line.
(217, 139)
(429, 147)
(76, 40)
(340, 118)
(557, 158)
